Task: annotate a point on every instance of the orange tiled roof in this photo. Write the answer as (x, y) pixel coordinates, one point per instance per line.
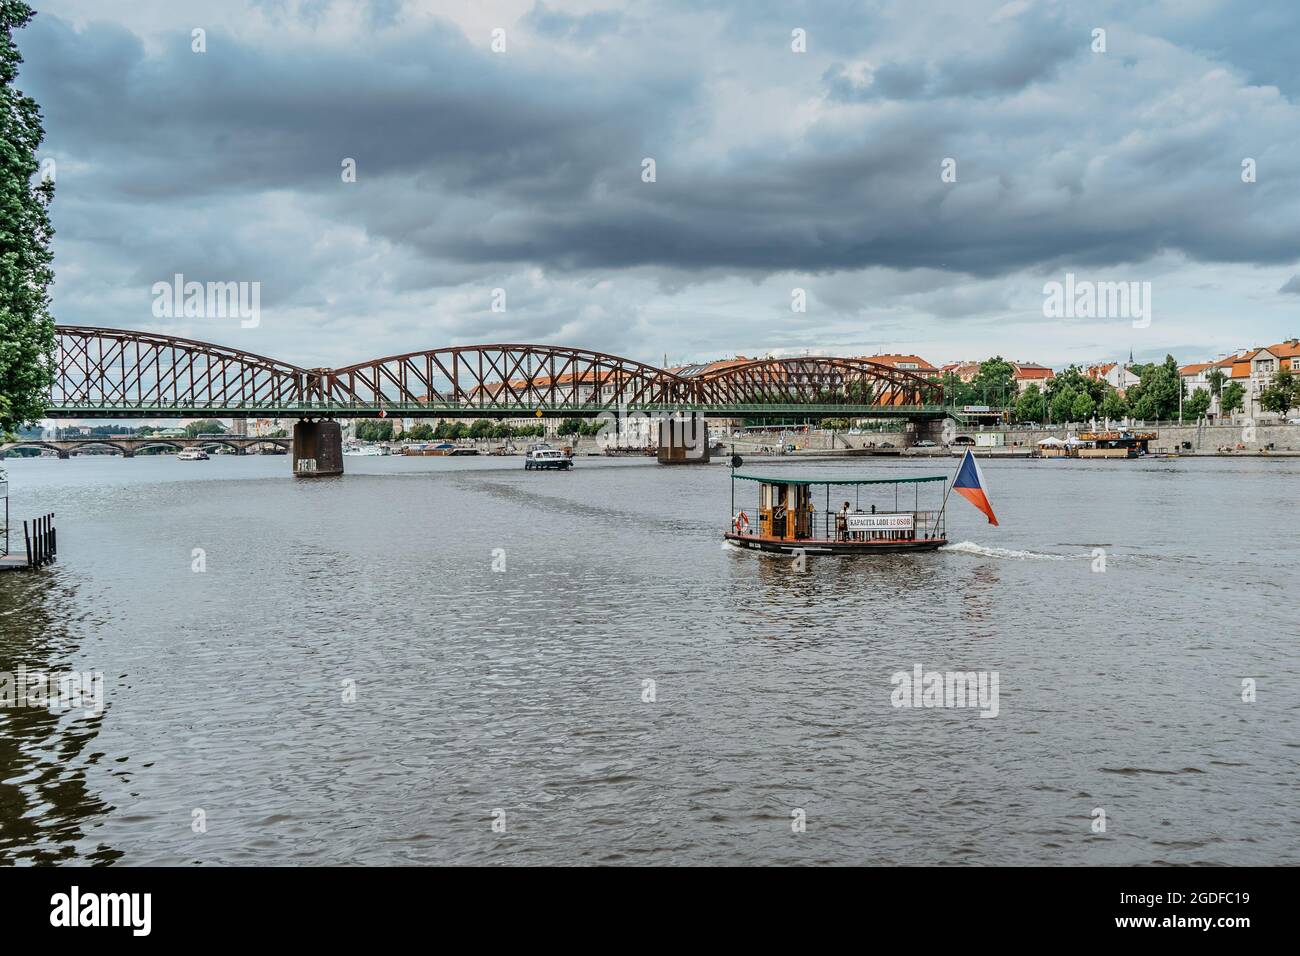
(1288, 349)
(1025, 370)
(895, 360)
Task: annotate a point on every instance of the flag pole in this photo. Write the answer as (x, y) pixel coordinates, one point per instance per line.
(948, 490)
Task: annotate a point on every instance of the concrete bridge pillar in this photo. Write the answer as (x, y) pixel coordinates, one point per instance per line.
(63, 454)
(683, 439)
(317, 449)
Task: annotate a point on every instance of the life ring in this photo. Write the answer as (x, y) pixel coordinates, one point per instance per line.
(742, 523)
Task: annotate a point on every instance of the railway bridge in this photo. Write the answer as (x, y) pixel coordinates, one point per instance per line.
(123, 374)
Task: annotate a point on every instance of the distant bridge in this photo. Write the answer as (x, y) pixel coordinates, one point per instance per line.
(116, 373)
(129, 446)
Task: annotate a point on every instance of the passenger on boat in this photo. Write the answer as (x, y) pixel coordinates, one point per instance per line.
(842, 523)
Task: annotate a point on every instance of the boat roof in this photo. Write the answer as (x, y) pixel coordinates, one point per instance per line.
(839, 481)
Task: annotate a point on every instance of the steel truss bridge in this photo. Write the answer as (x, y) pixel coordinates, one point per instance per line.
(116, 373)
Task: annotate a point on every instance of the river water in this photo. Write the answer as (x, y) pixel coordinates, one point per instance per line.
(331, 670)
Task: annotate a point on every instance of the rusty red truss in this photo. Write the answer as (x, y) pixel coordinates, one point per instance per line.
(108, 372)
(138, 371)
(815, 381)
(502, 377)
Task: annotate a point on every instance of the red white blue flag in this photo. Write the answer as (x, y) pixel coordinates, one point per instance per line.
(969, 483)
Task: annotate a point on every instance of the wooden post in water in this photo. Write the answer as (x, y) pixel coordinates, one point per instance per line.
(41, 541)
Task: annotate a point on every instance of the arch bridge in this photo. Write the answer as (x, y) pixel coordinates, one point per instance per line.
(116, 373)
(128, 445)
(119, 374)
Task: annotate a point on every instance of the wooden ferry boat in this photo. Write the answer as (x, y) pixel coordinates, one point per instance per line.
(792, 517)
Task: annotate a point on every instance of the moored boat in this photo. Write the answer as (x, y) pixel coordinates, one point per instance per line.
(191, 454)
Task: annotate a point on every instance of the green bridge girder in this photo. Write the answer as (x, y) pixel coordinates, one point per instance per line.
(426, 410)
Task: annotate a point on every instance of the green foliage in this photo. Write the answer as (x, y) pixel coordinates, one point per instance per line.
(204, 427)
(1215, 380)
(1233, 398)
(1197, 405)
(1114, 406)
(371, 430)
(26, 329)
(993, 385)
(1281, 395)
(1031, 406)
(1082, 408)
(996, 376)
(1062, 406)
(1073, 379)
(1156, 396)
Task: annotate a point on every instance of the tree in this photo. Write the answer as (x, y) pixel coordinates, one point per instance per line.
(1114, 406)
(955, 391)
(1215, 380)
(371, 430)
(202, 426)
(26, 329)
(1156, 396)
(1062, 405)
(1233, 395)
(1196, 406)
(1082, 407)
(1074, 379)
(1031, 406)
(1280, 396)
(995, 382)
(481, 428)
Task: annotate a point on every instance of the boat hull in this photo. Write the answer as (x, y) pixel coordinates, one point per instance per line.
(821, 546)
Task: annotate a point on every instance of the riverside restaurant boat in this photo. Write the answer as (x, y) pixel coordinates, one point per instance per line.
(192, 454)
(792, 517)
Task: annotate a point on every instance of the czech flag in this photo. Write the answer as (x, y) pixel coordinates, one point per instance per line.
(969, 483)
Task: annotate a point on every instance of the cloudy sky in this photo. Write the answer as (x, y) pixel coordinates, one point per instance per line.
(821, 170)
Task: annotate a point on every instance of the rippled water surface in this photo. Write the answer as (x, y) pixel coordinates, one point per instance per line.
(522, 690)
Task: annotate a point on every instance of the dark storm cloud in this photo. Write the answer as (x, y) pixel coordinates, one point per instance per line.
(239, 118)
(1016, 56)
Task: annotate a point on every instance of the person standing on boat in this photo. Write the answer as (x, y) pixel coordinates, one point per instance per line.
(842, 522)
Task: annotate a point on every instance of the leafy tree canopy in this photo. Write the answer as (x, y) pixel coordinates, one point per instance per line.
(26, 329)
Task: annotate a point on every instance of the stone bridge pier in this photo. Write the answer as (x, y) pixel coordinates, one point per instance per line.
(684, 439)
(317, 449)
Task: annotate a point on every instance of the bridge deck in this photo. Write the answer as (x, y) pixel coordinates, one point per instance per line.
(334, 410)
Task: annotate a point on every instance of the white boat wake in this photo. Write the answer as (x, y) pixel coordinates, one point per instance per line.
(970, 547)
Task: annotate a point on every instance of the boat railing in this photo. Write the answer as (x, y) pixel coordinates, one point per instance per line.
(926, 525)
